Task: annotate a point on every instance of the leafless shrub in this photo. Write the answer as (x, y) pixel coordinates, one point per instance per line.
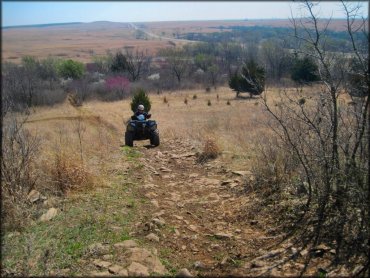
(18, 175)
(330, 142)
(68, 173)
(211, 150)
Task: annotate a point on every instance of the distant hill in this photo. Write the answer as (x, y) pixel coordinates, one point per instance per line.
(41, 25)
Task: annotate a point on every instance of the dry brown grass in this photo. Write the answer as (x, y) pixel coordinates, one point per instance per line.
(235, 129)
(211, 150)
(81, 42)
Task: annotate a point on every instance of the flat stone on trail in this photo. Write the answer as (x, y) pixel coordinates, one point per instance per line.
(107, 257)
(159, 221)
(123, 273)
(199, 265)
(115, 269)
(126, 244)
(159, 213)
(192, 228)
(193, 175)
(164, 169)
(100, 274)
(152, 237)
(137, 269)
(178, 217)
(102, 264)
(223, 235)
(213, 196)
(242, 173)
(208, 181)
(184, 272)
(151, 195)
(155, 203)
(147, 258)
(226, 182)
(50, 214)
(149, 186)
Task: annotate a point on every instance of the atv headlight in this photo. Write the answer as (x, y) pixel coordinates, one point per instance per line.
(153, 127)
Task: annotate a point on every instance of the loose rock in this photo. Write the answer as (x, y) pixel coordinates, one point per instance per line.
(98, 249)
(136, 269)
(242, 173)
(100, 274)
(184, 273)
(102, 264)
(126, 244)
(155, 203)
(115, 269)
(152, 237)
(223, 236)
(159, 222)
(199, 265)
(50, 214)
(146, 257)
(33, 196)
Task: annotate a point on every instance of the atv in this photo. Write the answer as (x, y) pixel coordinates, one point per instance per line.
(141, 130)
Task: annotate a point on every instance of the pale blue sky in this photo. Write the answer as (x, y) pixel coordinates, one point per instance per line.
(33, 12)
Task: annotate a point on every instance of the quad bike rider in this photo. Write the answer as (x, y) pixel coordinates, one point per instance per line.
(140, 128)
(140, 111)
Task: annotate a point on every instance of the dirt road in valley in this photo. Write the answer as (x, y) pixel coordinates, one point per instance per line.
(152, 35)
(197, 213)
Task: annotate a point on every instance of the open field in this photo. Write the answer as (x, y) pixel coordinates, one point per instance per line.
(207, 216)
(82, 41)
(273, 184)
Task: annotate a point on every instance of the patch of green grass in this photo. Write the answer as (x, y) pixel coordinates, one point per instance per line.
(164, 256)
(219, 256)
(131, 153)
(237, 262)
(171, 269)
(212, 238)
(85, 220)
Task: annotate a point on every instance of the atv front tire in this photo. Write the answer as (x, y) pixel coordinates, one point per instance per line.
(154, 138)
(129, 139)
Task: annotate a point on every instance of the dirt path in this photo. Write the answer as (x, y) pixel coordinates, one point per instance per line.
(197, 212)
(150, 34)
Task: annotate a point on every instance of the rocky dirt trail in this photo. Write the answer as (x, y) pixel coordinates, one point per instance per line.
(195, 214)
(191, 221)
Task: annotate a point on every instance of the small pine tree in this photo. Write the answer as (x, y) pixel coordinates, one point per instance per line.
(165, 99)
(305, 71)
(186, 101)
(218, 97)
(194, 96)
(251, 79)
(209, 103)
(228, 102)
(140, 97)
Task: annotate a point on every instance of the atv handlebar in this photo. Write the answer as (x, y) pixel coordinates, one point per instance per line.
(134, 118)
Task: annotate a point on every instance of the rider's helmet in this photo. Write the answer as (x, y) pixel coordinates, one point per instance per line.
(140, 108)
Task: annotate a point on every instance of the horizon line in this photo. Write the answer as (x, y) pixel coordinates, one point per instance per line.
(189, 20)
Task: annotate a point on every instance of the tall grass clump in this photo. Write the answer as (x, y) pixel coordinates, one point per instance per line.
(211, 150)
